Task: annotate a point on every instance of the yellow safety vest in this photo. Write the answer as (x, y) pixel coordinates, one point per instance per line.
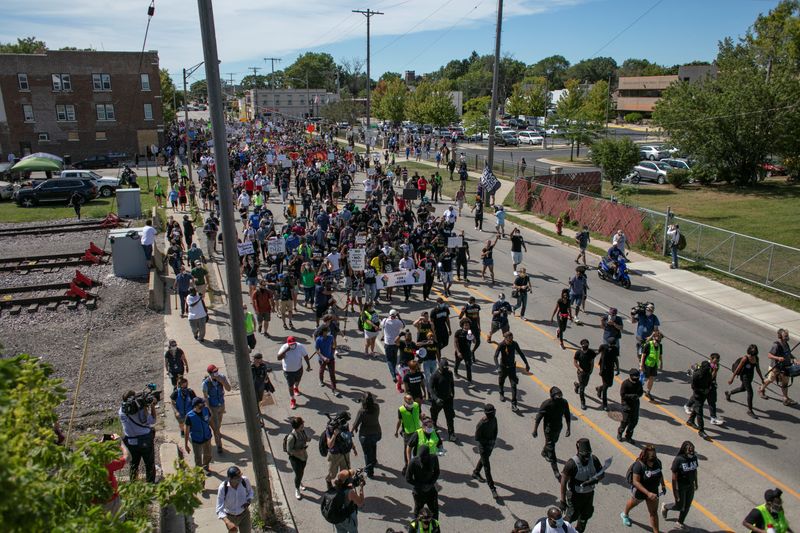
(410, 419)
(780, 524)
(423, 440)
(653, 354)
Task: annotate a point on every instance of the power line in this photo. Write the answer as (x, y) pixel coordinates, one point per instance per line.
(629, 26)
(442, 35)
(412, 28)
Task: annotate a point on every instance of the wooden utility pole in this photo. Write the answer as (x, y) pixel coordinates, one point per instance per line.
(368, 13)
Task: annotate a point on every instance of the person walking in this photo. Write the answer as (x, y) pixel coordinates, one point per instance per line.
(262, 305)
(462, 257)
(477, 208)
(578, 478)
(426, 436)
(408, 417)
(181, 286)
(487, 260)
(701, 384)
(442, 389)
(234, 496)
(517, 246)
(674, 237)
(780, 358)
(339, 441)
(249, 326)
(197, 314)
(684, 483)
(423, 473)
(391, 327)
(472, 312)
(181, 400)
(553, 522)
(326, 358)
(199, 423)
(424, 522)
(486, 437)
(646, 324)
(582, 239)
(368, 426)
(608, 363)
(552, 411)
(76, 201)
(175, 362)
(296, 445)
(630, 391)
(522, 286)
(647, 483)
(769, 512)
(291, 356)
(584, 364)
(564, 312)
(500, 310)
(260, 374)
(612, 327)
(507, 366)
(652, 360)
(139, 436)
(578, 291)
(466, 342)
(745, 368)
(214, 386)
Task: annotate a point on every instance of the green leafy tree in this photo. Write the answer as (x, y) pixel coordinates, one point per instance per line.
(169, 96)
(596, 103)
(570, 115)
(593, 70)
(480, 104)
(49, 487)
(319, 68)
(199, 90)
(416, 104)
(392, 103)
(345, 110)
(476, 122)
(253, 82)
(553, 68)
(27, 45)
(388, 76)
(430, 103)
(616, 158)
(643, 67)
(529, 97)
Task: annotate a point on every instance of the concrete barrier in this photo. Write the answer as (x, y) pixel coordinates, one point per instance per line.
(170, 520)
(156, 291)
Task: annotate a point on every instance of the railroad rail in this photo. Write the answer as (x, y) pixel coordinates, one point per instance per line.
(91, 256)
(111, 221)
(75, 293)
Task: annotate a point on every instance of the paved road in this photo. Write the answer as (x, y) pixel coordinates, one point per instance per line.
(745, 457)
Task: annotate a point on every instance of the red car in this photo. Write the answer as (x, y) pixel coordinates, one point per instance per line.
(773, 169)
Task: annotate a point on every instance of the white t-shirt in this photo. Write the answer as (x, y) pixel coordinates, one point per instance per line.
(148, 235)
(450, 216)
(407, 263)
(367, 185)
(391, 329)
(548, 529)
(293, 357)
(244, 200)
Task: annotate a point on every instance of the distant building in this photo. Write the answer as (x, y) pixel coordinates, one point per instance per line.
(639, 94)
(292, 103)
(410, 77)
(457, 97)
(80, 103)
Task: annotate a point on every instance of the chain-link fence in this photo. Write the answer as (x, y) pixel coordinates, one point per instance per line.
(756, 260)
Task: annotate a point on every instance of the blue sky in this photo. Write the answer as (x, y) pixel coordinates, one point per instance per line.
(418, 35)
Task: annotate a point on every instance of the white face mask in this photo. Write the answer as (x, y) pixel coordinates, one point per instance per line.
(173, 349)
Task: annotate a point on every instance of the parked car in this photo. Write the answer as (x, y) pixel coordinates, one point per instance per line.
(56, 190)
(504, 129)
(517, 123)
(680, 163)
(530, 137)
(106, 185)
(651, 171)
(772, 169)
(427, 129)
(95, 161)
(554, 131)
(653, 152)
(6, 190)
(505, 139)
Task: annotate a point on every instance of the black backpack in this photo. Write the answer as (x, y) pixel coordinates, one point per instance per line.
(629, 474)
(335, 507)
(323, 445)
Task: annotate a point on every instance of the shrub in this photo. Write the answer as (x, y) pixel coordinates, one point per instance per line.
(678, 177)
(633, 118)
(703, 174)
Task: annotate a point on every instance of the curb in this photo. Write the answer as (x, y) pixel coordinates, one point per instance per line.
(169, 520)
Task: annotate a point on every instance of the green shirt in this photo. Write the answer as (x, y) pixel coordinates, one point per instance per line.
(307, 278)
(199, 274)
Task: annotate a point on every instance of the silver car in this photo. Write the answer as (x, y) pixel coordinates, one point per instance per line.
(653, 152)
(650, 171)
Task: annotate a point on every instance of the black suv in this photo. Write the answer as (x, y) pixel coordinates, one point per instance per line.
(58, 190)
(96, 161)
(505, 139)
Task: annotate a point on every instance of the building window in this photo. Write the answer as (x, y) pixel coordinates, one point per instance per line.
(101, 82)
(289, 101)
(61, 82)
(73, 136)
(27, 110)
(65, 113)
(44, 136)
(105, 112)
(100, 136)
(22, 81)
(145, 82)
(148, 111)
(277, 100)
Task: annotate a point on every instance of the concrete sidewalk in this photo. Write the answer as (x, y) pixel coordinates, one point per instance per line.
(763, 313)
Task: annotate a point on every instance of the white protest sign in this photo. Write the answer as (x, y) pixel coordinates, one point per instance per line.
(357, 257)
(361, 239)
(245, 248)
(401, 277)
(455, 242)
(276, 246)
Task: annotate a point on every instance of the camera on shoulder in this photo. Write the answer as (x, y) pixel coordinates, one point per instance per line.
(140, 400)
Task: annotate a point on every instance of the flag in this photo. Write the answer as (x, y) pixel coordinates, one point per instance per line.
(489, 182)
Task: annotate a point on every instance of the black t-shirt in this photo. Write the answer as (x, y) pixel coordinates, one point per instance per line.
(585, 359)
(552, 412)
(175, 362)
(516, 243)
(440, 317)
(609, 360)
(650, 476)
(447, 263)
(422, 331)
(748, 370)
(757, 520)
(686, 468)
(406, 351)
(521, 281)
(462, 343)
(462, 251)
(570, 469)
(414, 381)
(431, 352)
(473, 313)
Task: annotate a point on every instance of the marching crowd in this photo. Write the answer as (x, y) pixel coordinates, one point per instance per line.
(311, 248)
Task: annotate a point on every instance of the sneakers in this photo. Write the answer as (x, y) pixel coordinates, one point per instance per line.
(502, 398)
(626, 521)
(687, 409)
(322, 384)
(494, 493)
(477, 476)
(514, 407)
(716, 421)
(702, 434)
(664, 511)
(293, 403)
(578, 322)
(728, 395)
(583, 406)
(691, 424)
(297, 494)
(619, 436)
(337, 393)
(297, 390)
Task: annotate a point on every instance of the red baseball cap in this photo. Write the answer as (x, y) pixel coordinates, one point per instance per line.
(212, 368)
(290, 339)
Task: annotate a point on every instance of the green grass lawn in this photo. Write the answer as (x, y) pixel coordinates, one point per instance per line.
(767, 210)
(97, 208)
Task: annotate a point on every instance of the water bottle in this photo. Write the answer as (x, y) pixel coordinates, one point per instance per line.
(442, 452)
(770, 528)
(470, 335)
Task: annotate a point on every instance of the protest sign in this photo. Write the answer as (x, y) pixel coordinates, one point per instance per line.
(276, 246)
(455, 242)
(357, 258)
(245, 248)
(401, 277)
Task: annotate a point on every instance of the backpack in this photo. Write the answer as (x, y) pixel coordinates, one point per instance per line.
(335, 508)
(629, 474)
(681, 241)
(323, 445)
(286, 443)
(542, 523)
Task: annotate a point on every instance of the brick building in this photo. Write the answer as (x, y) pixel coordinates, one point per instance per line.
(79, 103)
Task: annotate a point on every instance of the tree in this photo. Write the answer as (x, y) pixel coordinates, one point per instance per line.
(345, 110)
(593, 70)
(480, 104)
(28, 45)
(352, 76)
(476, 122)
(47, 486)
(169, 96)
(616, 158)
(253, 82)
(596, 104)
(552, 68)
(318, 68)
(529, 97)
(392, 103)
(570, 114)
(199, 90)
(430, 103)
(387, 76)
(643, 67)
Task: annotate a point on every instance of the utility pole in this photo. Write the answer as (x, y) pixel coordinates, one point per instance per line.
(186, 73)
(608, 103)
(255, 90)
(495, 78)
(368, 13)
(241, 351)
(272, 80)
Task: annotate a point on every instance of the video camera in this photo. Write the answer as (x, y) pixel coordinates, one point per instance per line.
(338, 421)
(640, 307)
(357, 479)
(141, 400)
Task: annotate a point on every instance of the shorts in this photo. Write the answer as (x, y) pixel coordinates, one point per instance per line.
(516, 257)
(576, 299)
(319, 312)
(488, 261)
(285, 307)
(370, 334)
(650, 371)
(262, 317)
(638, 495)
(447, 277)
(252, 282)
(497, 326)
(293, 378)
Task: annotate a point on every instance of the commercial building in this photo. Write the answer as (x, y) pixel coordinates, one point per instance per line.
(80, 103)
(639, 94)
(293, 103)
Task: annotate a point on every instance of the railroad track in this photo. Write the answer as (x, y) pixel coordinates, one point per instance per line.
(50, 261)
(71, 294)
(71, 227)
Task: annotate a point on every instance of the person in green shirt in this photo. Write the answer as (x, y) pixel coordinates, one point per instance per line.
(200, 275)
(158, 192)
(249, 327)
(307, 276)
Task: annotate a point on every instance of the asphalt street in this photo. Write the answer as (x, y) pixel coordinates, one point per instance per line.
(743, 458)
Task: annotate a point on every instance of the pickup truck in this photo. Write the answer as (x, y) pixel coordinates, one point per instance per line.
(106, 185)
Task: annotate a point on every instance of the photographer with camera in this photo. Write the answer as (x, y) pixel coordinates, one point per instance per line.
(338, 441)
(643, 315)
(137, 414)
(340, 503)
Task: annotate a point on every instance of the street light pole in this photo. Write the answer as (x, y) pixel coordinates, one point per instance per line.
(368, 13)
(241, 351)
(493, 110)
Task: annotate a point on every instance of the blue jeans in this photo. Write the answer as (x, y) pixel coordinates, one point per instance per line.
(349, 525)
(369, 443)
(674, 251)
(391, 359)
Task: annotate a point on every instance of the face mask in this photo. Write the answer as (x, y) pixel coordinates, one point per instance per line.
(173, 349)
(584, 456)
(409, 406)
(713, 365)
(428, 430)
(775, 507)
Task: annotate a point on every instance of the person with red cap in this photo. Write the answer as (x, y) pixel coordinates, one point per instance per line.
(214, 386)
(291, 356)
